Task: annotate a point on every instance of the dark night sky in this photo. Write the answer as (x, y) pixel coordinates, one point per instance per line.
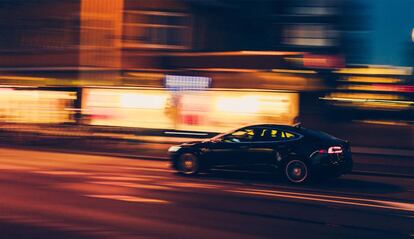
(391, 24)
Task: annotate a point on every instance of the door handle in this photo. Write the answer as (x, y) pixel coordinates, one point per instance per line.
(243, 147)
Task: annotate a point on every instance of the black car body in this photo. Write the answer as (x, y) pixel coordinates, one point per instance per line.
(298, 152)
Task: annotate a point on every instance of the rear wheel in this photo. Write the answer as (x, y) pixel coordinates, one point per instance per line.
(188, 163)
(296, 171)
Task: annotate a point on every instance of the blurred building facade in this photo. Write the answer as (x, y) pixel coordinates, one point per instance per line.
(179, 54)
(97, 31)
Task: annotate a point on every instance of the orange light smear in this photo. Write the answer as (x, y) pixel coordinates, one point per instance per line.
(128, 198)
(238, 53)
(274, 53)
(92, 188)
(131, 185)
(225, 69)
(190, 185)
(62, 172)
(294, 71)
(25, 78)
(146, 169)
(332, 199)
(366, 79)
(383, 122)
(148, 176)
(147, 76)
(375, 71)
(16, 167)
(119, 178)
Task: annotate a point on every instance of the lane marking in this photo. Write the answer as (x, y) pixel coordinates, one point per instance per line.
(330, 199)
(128, 198)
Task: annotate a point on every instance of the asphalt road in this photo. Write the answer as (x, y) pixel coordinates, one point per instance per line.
(63, 195)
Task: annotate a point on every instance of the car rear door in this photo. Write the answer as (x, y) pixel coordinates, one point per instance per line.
(287, 143)
(271, 146)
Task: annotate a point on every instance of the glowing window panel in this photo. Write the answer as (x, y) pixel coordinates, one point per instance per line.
(175, 82)
(143, 101)
(243, 104)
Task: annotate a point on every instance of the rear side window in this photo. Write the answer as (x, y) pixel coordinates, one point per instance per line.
(287, 135)
(266, 134)
(273, 134)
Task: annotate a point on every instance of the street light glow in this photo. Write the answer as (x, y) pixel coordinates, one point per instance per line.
(412, 35)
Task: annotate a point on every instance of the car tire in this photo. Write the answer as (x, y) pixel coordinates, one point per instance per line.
(188, 164)
(296, 172)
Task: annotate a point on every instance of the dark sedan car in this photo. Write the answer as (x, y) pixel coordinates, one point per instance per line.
(300, 154)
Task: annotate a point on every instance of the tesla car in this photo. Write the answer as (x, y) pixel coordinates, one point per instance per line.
(298, 153)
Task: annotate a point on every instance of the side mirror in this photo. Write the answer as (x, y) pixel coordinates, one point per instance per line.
(218, 140)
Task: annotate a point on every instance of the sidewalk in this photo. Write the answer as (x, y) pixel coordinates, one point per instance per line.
(154, 145)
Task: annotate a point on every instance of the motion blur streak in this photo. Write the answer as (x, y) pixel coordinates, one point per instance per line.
(130, 185)
(70, 206)
(119, 178)
(131, 78)
(191, 185)
(72, 173)
(331, 199)
(129, 198)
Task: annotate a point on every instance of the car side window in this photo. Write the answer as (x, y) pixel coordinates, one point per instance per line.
(284, 135)
(265, 134)
(241, 135)
(273, 134)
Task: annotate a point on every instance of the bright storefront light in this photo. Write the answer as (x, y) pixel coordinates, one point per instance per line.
(208, 111)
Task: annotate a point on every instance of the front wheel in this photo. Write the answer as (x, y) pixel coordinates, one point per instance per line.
(297, 172)
(188, 164)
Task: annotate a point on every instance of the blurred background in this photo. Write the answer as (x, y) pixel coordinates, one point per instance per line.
(197, 67)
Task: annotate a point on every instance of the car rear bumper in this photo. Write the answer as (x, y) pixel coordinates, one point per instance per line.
(334, 165)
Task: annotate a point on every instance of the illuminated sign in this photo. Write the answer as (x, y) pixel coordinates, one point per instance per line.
(175, 82)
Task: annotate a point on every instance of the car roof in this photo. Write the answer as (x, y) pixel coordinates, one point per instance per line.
(281, 126)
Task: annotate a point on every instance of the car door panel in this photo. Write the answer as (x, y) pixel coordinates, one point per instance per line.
(261, 153)
(227, 154)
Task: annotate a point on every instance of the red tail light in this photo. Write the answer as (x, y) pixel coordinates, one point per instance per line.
(335, 150)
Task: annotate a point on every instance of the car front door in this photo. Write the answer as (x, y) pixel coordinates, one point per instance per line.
(230, 150)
